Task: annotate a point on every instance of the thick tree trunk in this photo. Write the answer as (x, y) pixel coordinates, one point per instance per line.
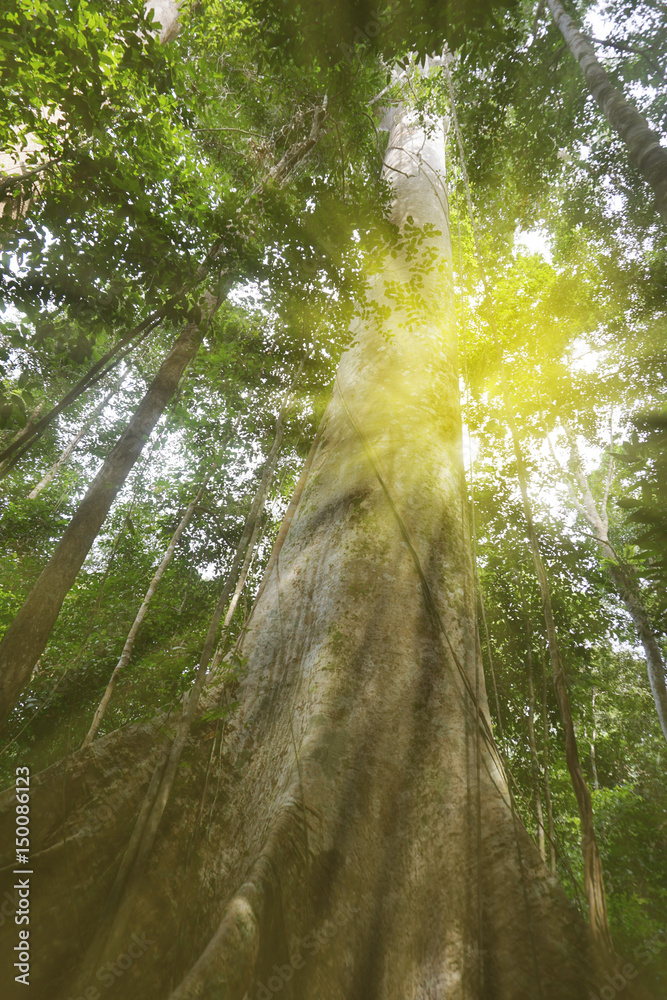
(642, 142)
(67, 452)
(358, 842)
(27, 636)
(121, 902)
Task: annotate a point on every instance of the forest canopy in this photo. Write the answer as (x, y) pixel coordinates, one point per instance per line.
(190, 222)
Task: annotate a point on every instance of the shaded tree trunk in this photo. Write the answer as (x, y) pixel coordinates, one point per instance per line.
(289, 515)
(27, 636)
(121, 902)
(642, 142)
(363, 845)
(593, 872)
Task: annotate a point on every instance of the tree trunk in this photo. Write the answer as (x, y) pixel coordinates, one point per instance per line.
(289, 515)
(655, 663)
(121, 902)
(547, 782)
(32, 420)
(143, 611)
(593, 871)
(66, 453)
(621, 578)
(594, 766)
(362, 845)
(165, 13)
(27, 636)
(642, 142)
(32, 432)
(541, 839)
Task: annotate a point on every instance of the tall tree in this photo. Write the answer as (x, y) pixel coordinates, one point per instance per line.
(68, 450)
(370, 780)
(25, 640)
(329, 815)
(598, 520)
(643, 142)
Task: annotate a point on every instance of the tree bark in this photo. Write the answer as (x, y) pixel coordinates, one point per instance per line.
(289, 515)
(27, 636)
(363, 845)
(642, 142)
(165, 13)
(66, 453)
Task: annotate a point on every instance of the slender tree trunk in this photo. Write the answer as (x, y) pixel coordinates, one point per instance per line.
(621, 577)
(533, 749)
(642, 142)
(29, 435)
(279, 174)
(143, 611)
(547, 782)
(593, 871)
(27, 636)
(594, 766)
(363, 845)
(238, 589)
(32, 420)
(66, 453)
(275, 553)
(250, 552)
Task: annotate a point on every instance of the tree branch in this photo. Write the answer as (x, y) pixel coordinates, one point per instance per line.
(12, 180)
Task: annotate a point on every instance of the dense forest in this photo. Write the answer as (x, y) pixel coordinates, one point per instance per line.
(333, 499)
